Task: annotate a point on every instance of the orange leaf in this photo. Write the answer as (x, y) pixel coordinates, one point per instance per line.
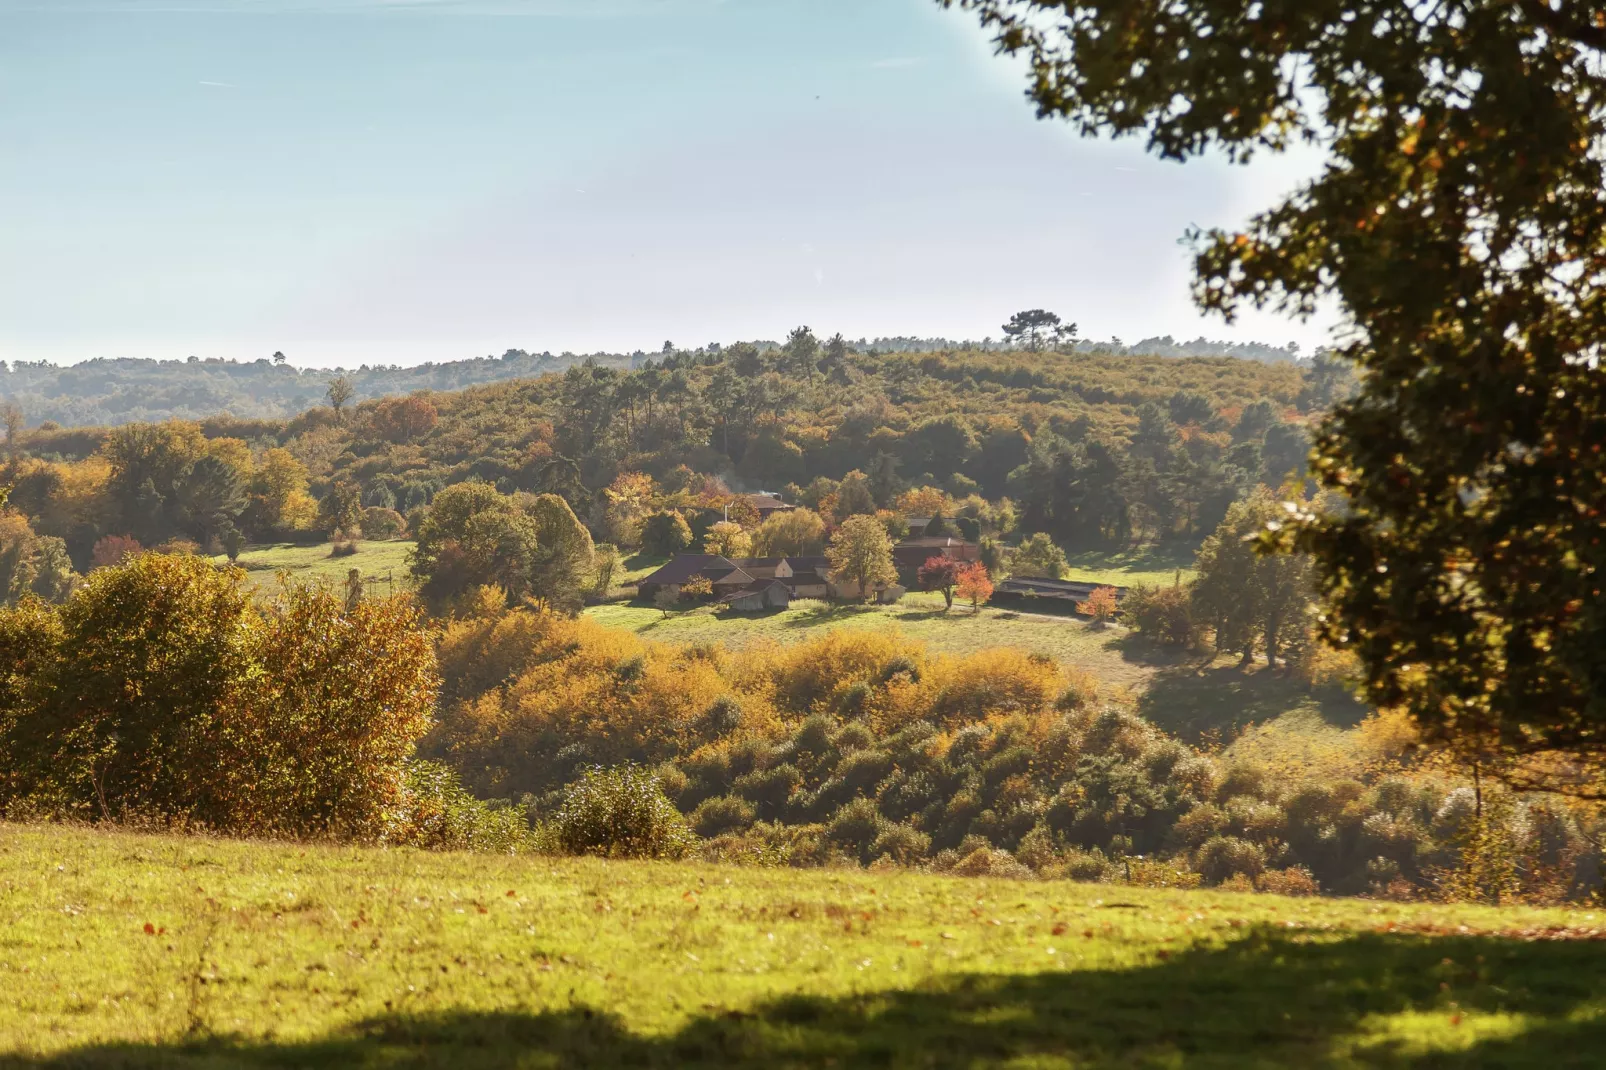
(150, 930)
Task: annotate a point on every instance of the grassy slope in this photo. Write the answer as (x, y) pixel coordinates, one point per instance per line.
(1189, 696)
(1154, 566)
(313, 563)
(321, 956)
(919, 616)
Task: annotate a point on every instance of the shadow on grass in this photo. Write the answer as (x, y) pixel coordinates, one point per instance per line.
(827, 613)
(1151, 557)
(1188, 699)
(927, 614)
(1271, 999)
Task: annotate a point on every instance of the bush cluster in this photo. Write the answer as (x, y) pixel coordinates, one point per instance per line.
(160, 690)
(862, 748)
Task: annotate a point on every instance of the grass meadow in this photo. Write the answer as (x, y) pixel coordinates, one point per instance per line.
(1153, 566)
(1190, 695)
(313, 564)
(131, 950)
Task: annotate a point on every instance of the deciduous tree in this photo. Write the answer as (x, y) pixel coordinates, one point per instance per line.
(1458, 225)
(340, 391)
(975, 585)
(1038, 556)
(1099, 607)
(727, 539)
(940, 574)
(861, 552)
(797, 532)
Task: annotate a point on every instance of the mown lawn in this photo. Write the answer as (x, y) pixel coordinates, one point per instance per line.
(313, 563)
(144, 951)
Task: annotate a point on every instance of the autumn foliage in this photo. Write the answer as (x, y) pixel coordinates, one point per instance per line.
(1100, 606)
(975, 585)
(160, 691)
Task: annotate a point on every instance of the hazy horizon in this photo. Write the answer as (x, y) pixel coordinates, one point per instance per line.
(399, 181)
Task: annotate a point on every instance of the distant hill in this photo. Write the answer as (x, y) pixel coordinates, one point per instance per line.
(106, 392)
(119, 391)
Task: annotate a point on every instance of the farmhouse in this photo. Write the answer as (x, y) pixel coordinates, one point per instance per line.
(802, 577)
(910, 554)
(767, 504)
(759, 595)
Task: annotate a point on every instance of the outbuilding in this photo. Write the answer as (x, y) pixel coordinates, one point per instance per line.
(759, 596)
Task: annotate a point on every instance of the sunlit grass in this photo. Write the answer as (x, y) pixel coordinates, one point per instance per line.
(918, 616)
(1152, 566)
(137, 950)
(374, 559)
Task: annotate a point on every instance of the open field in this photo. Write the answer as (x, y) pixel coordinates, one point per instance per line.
(1154, 566)
(918, 616)
(143, 951)
(1187, 695)
(313, 563)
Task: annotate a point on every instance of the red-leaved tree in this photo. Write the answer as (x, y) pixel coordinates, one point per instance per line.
(940, 574)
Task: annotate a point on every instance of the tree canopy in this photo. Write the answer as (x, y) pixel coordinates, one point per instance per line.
(1459, 224)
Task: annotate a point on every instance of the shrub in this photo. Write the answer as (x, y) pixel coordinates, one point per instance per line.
(154, 656)
(992, 862)
(435, 813)
(1295, 880)
(1221, 857)
(901, 844)
(379, 522)
(113, 550)
(170, 694)
(1080, 693)
(856, 827)
(339, 698)
(1090, 866)
(1037, 849)
(1164, 614)
(852, 737)
(621, 813)
(770, 789)
(723, 814)
(1159, 873)
(1196, 826)
(1100, 606)
(724, 716)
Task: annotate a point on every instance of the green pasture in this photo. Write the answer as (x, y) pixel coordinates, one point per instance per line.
(314, 564)
(135, 951)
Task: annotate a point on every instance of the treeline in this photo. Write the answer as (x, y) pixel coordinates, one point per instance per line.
(1092, 450)
(109, 391)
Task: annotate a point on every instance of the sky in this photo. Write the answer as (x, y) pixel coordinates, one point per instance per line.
(396, 181)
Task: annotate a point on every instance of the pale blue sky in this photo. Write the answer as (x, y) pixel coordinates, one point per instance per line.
(358, 181)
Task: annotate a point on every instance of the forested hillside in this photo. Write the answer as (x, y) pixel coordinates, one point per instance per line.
(127, 390)
(1094, 450)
